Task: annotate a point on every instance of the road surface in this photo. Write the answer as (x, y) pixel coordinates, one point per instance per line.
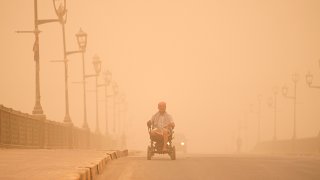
(213, 167)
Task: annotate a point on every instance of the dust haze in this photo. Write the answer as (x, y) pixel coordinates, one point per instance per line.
(208, 60)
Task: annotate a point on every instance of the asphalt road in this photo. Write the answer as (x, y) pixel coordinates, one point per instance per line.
(213, 167)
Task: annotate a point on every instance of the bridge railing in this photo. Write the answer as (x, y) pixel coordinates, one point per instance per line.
(310, 145)
(21, 130)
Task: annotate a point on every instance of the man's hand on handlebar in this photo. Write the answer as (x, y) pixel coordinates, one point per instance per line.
(170, 126)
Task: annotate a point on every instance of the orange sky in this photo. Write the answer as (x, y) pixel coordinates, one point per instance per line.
(207, 59)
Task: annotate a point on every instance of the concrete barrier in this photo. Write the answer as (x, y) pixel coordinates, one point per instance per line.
(112, 155)
(309, 145)
(84, 174)
(93, 170)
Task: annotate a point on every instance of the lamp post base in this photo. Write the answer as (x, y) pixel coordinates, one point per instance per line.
(37, 110)
(85, 125)
(67, 119)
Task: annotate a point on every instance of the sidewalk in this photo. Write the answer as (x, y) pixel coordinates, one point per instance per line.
(54, 164)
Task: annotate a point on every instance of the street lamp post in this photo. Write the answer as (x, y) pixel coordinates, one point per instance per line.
(37, 110)
(273, 104)
(294, 98)
(245, 131)
(61, 11)
(115, 93)
(122, 120)
(107, 79)
(121, 105)
(239, 139)
(82, 42)
(97, 67)
(242, 141)
(259, 117)
(258, 113)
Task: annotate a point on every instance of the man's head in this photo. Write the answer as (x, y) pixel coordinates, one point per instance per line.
(162, 107)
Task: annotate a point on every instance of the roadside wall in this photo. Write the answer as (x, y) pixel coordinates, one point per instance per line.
(22, 130)
(303, 146)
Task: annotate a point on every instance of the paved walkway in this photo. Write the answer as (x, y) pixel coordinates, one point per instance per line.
(213, 167)
(50, 164)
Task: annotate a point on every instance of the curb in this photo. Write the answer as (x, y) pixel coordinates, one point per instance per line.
(91, 171)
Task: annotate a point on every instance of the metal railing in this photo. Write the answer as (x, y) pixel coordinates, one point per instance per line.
(21, 130)
(310, 145)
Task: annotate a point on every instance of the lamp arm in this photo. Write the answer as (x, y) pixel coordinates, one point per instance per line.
(314, 86)
(73, 52)
(91, 75)
(101, 85)
(44, 21)
(289, 97)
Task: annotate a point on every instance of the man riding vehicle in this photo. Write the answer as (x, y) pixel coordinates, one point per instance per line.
(162, 125)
